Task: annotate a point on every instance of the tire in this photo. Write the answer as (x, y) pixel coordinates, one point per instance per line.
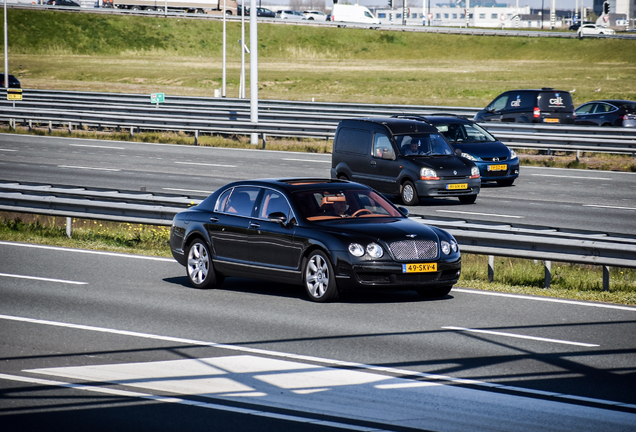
(435, 292)
(507, 182)
(199, 266)
(318, 277)
(408, 193)
(468, 199)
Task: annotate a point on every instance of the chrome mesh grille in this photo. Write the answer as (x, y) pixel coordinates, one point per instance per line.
(414, 249)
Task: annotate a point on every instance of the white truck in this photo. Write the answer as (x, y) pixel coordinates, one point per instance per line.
(353, 14)
(189, 6)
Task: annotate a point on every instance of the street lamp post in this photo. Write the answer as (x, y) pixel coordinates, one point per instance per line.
(6, 48)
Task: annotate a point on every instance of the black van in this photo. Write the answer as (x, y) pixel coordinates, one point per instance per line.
(403, 157)
(530, 106)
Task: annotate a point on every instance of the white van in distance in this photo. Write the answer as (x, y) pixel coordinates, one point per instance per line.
(353, 14)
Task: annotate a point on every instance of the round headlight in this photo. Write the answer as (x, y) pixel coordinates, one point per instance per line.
(454, 246)
(474, 172)
(446, 247)
(356, 249)
(374, 250)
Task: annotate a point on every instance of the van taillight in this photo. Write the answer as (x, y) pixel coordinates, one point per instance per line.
(537, 112)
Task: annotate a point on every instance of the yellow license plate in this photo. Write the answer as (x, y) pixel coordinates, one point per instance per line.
(497, 167)
(551, 120)
(419, 268)
(457, 186)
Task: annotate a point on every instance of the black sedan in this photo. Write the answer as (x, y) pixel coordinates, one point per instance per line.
(607, 113)
(68, 3)
(13, 81)
(328, 235)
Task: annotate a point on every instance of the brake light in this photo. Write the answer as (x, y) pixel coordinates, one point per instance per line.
(537, 112)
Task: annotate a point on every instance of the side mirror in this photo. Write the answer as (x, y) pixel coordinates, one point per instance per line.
(458, 152)
(278, 217)
(404, 211)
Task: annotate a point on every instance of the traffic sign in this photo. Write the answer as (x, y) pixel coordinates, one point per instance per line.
(157, 98)
(14, 94)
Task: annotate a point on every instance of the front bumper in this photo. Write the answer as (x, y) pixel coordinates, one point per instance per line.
(440, 188)
(511, 171)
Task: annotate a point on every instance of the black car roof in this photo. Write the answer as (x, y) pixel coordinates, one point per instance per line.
(296, 184)
(397, 126)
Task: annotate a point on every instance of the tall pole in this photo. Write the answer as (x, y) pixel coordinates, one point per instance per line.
(242, 87)
(223, 73)
(6, 48)
(467, 13)
(253, 70)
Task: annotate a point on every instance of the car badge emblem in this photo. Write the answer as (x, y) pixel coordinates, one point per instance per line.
(495, 159)
(455, 172)
(411, 235)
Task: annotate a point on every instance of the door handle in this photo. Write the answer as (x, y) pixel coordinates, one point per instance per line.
(373, 164)
(255, 225)
(214, 219)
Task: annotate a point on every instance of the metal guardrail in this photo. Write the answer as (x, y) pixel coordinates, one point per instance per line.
(278, 118)
(522, 241)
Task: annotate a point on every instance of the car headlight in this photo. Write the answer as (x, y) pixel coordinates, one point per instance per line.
(446, 247)
(513, 154)
(469, 156)
(454, 246)
(474, 172)
(375, 250)
(356, 249)
(428, 174)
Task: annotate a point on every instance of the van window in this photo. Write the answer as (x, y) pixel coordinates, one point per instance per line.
(521, 100)
(500, 103)
(555, 99)
(355, 141)
(380, 143)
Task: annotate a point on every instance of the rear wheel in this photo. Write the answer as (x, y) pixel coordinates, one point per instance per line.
(199, 266)
(506, 182)
(320, 282)
(409, 193)
(467, 199)
(435, 292)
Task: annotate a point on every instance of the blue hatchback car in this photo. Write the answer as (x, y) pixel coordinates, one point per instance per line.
(496, 162)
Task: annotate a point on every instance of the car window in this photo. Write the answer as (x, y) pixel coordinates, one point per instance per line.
(423, 145)
(554, 99)
(585, 109)
(353, 141)
(381, 143)
(273, 202)
(604, 108)
(464, 132)
(238, 201)
(499, 103)
(332, 204)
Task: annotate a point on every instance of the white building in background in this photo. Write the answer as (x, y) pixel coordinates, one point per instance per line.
(442, 16)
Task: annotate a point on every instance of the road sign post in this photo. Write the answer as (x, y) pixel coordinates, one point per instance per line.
(157, 98)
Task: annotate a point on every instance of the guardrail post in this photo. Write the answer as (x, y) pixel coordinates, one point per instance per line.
(606, 278)
(491, 268)
(69, 226)
(70, 127)
(30, 125)
(547, 270)
(131, 131)
(50, 127)
(11, 124)
(578, 156)
(196, 137)
(264, 141)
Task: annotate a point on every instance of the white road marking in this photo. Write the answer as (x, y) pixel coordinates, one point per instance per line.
(518, 336)
(181, 401)
(610, 207)
(88, 168)
(405, 373)
(572, 177)
(479, 214)
(206, 164)
(86, 251)
(8, 150)
(97, 146)
(547, 299)
(307, 160)
(42, 279)
(188, 190)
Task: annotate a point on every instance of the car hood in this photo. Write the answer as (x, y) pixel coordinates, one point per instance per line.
(383, 229)
(445, 165)
(484, 149)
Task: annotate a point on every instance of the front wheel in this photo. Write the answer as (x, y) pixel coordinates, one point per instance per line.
(320, 282)
(467, 199)
(409, 193)
(199, 266)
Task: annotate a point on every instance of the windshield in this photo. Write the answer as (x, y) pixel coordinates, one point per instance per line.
(464, 133)
(334, 204)
(423, 145)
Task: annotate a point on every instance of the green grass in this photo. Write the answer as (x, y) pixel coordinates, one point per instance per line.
(62, 50)
(511, 275)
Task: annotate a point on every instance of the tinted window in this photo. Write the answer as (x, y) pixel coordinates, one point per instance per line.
(353, 141)
(585, 109)
(500, 103)
(238, 201)
(423, 144)
(629, 106)
(322, 204)
(464, 132)
(554, 99)
(273, 202)
(521, 100)
(380, 143)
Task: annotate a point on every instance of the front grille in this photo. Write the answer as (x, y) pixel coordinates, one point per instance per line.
(500, 159)
(408, 250)
(494, 173)
(374, 278)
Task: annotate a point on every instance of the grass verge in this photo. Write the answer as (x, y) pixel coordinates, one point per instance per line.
(571, 281)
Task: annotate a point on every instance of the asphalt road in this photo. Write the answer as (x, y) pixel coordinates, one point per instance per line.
(100, 341)
(559, 198)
